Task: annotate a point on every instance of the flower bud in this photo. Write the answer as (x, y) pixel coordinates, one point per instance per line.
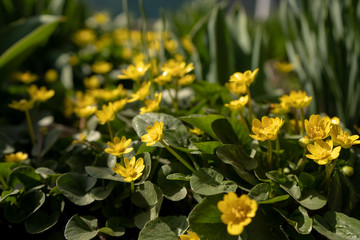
(304, 141)
(348, 171)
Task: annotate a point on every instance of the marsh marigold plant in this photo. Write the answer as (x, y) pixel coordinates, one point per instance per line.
(119, 146)
(318, 127)
(133, 169)
(323, 152)
(266, 129)
(237, 212)
(154, 134)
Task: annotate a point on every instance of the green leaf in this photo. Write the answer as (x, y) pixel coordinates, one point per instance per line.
(25, 176)
(224, 131)
(101, 193)
(76, 187)
(164, 228)
(205, 147)
(205, 220)
(46, 217)
(12, 191)
(260, 192)
(175, 132)
(312, 200)
(19, 40)
(337, 226)
(114, 224)
(287, 182)
(28, 204)
(210, 182)
(146, 172)
(81, 228)
(236, 156)
(299, 219)
(171, 189)
(103, 173)
(146, 195)
(203, 122)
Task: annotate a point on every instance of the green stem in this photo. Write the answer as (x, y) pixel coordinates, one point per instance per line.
(175, 102)
(132, 187)
(243, 120)
(31, 131)
(110, 131)
(302, 116)
(194, 161)
(186, 164)
(327, 170)
(3, 182)
(296, 121)
(332, 167)
(269, 155)
(249, 105)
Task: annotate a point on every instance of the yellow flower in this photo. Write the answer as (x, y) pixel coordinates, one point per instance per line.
(26, 77)
(237, 104)
(196, 131)
(297, 99)
(154, 134)
(322, 152)
(84, 37)
(335, 121)
(171, 45)
(244, 78)
(101, 17)
(120, 104)
(134, 72)
(163, 79)
(237, 212)
(16, 157)
(236, 88)
(132, 170)
(85, 111)
(191, 236)
(83, 100)
(40, 94)
(187, 44)
(317, 127)
(101, 67)
(177, 68)
(186, 80)
(267, 129)
(304, 141)
(343, 138)
(142, 93)
(152, 105)
(51, 75)
(106, 114)
(82, 139)
(92, 82)
(284, 67)
(119, 147)
(22, 105)
(280, 108)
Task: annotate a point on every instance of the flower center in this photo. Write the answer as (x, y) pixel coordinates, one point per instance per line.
(131, 172)
(154, 135)
(239, 212)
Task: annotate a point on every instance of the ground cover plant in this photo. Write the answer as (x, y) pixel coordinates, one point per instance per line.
(200, 125)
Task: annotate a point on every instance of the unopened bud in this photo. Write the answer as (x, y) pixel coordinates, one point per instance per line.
(304, 141)
(348, 171)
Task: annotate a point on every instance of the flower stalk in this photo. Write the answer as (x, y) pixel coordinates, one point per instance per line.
(249, 104)
(186, 164)
(110, 131)
(269, 155)
(31, 130)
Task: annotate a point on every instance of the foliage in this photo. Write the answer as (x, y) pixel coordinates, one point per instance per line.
(89, 162)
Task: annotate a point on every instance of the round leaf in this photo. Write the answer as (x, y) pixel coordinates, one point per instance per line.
(81, 228)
